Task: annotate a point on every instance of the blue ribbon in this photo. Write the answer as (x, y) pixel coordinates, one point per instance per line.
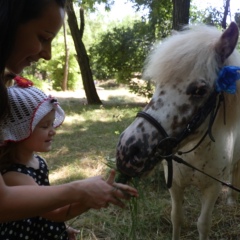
(227, 77)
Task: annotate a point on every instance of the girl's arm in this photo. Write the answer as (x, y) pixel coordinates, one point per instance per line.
(111, 191)
(66, 213)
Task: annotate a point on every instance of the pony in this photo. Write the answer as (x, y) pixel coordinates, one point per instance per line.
(187, 113)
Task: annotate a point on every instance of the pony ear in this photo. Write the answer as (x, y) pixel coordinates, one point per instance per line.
(227, 42)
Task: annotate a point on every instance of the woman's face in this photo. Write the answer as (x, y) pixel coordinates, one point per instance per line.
(34, 38)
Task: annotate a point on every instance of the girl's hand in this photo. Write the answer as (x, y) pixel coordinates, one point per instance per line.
(99, 193)
(72, 233)
(126, 192)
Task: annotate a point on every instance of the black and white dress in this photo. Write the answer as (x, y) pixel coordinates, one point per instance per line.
(36, 228)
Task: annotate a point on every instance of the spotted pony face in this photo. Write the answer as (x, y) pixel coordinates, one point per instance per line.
(184, 68)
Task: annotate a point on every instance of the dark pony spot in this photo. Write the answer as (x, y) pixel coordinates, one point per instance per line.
(184, 121)
(130, 140)
(150, 105)
(184, 108)
(160, 103)
(162, 93)
(174, 122)
(180, 91)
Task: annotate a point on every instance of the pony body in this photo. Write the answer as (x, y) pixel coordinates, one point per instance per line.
(185, 68)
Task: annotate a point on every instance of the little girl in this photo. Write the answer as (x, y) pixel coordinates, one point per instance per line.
(29, 128)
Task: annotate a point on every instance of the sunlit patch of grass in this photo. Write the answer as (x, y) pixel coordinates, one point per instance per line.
(73, 119)
(77, 170)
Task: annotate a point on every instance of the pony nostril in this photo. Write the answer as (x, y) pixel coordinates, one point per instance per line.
(134, 152)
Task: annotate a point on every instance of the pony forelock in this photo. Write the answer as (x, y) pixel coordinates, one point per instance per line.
(191, 51)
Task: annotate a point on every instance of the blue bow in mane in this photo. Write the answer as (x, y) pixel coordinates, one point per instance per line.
(227, 77)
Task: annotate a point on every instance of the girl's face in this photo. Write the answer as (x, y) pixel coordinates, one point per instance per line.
(34, 38)
(41, 138)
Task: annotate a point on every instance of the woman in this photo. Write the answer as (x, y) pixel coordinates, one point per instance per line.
(27, 30)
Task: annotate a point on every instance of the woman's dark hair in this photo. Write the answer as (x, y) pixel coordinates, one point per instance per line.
(12, 14)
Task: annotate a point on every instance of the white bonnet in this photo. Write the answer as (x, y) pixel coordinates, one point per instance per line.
(28, 105)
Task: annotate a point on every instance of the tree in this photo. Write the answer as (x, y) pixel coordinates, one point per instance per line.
(82, 56)
(121, 51)
(181, 10)
(65, 75)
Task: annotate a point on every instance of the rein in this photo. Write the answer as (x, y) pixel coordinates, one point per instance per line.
(168, 146)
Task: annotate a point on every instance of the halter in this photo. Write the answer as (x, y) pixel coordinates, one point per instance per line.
(168, 146)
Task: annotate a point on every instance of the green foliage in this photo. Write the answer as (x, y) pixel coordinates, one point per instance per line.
(142, 88)
(37, 83)
(159, 16)
(210, 15)
(38, 74)
(213, 16)
(121, 52)
(56, 72)
(91, 4)
(56, 65)
(49, 74)
(196, 15)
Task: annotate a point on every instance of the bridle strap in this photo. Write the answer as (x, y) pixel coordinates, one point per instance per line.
(160, 129)
(180, 160)
(203, 112)
(211, 121)
(154, 122)
(196, 121)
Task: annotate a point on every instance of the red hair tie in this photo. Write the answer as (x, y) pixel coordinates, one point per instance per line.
(23, 82)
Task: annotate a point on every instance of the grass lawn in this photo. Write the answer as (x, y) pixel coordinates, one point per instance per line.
(84, 146)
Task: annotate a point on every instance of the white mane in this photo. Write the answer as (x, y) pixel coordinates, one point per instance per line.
(189, 51)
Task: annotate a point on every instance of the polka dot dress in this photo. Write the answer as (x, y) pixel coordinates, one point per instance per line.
(36, 228)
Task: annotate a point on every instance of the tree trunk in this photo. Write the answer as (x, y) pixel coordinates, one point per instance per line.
(66, 66)
(226, 11)
(82, 57)
(180, 13)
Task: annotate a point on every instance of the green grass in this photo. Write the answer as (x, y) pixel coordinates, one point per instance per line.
(86, 139)
(84, 146)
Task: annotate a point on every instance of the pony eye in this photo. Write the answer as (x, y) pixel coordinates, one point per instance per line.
(200, 91)
(196, 90)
